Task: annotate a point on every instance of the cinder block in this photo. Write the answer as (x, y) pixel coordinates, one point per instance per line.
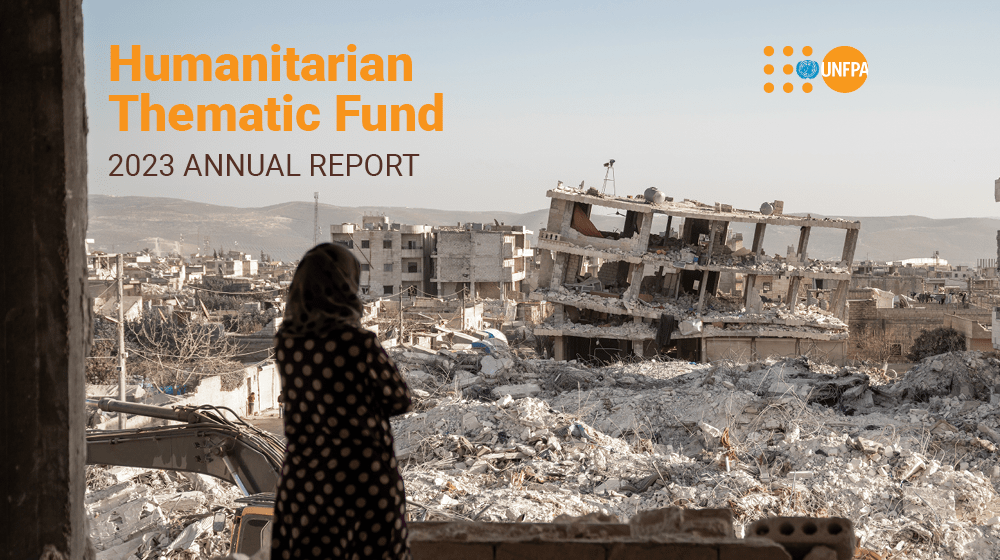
(550, 551)
(664, 551)
(800, 534)
(442, 550)
(753, 549)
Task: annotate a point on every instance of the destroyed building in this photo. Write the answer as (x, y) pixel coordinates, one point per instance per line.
(646, 290)
(393, 256)
(490, 261)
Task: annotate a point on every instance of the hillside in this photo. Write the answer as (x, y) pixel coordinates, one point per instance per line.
(285, 230)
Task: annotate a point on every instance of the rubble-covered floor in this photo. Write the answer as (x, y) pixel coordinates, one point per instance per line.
(911, 459)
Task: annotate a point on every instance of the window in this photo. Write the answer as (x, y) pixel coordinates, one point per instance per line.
(387, 290)
(412, 267)
(387, 244)
(387, 267)
(767, 287)
(411, 245)
(365, 244)
(364, 290)
(349, 243)
(365, 267)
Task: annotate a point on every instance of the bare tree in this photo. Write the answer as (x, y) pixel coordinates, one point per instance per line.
(871, 343)
(166, 352)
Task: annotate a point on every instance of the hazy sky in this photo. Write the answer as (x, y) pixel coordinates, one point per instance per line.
(545, 91)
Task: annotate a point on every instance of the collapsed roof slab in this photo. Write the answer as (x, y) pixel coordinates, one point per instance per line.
(697, 210)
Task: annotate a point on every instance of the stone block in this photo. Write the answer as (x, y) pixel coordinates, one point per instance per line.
(424, 550)
(753, 549)
(550, 551)
(518, 391)
(664, 551)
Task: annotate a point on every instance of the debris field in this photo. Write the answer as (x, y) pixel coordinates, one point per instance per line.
(910, 458)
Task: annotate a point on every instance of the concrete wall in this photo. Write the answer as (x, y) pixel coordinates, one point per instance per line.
(46, 323)
(977, 337)
(266, 383)
(895, 284)
(903, 326)
(756, 348)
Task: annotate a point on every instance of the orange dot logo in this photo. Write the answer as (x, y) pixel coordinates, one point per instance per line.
(845, 69)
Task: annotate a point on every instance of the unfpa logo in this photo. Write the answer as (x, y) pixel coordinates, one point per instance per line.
(844, 69)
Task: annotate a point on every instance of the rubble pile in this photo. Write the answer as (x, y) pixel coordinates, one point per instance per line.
(918, 476)
(970, 375)
(144, 513)
(911, 460)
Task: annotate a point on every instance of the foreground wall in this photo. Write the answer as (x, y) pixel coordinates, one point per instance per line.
(46, 320)
(754, 348)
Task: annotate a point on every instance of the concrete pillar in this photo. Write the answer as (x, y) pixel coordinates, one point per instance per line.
(850, 244)
(645, 228)
(559, 263)
(758, 238)
(749, 290)
(559, 348)
(635, 281)
(800, 253)
(793, 291)
(46, 320)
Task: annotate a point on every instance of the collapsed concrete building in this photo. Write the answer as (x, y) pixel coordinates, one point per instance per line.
(645, 291)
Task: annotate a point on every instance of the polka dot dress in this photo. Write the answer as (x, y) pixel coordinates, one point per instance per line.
(340, 494)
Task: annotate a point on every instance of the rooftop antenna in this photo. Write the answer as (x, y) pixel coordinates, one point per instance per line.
(316, 219)
(610, 166)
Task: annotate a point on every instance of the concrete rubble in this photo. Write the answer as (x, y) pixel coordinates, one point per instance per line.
(145, 513)
(911, 462)
(910, 459)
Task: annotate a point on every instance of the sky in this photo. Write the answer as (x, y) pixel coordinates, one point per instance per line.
(540, 92)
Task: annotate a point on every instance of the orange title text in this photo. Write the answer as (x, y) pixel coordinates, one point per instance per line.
(273, 115)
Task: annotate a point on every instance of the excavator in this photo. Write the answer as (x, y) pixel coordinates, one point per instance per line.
(205, 442)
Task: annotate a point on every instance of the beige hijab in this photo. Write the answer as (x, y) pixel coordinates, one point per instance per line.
(324, 293)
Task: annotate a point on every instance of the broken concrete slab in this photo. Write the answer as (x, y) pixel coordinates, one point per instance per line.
(517, 391)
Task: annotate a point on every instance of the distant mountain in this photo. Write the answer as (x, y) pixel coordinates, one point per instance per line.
(285, 231)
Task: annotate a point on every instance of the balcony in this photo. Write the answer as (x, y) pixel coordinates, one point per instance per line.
(417, 253)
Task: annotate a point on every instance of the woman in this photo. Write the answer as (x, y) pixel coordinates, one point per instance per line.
(340, 494)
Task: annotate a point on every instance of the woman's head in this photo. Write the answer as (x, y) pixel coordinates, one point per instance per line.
(324, 292)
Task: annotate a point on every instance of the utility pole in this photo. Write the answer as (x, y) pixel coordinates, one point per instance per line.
(400, 314)
(121, 338)
(463, 309)
(316, 219)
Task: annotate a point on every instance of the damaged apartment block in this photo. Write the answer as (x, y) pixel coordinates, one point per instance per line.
(691, 289)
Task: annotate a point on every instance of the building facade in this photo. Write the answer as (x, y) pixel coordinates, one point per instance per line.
(487, 261)
(393, 256)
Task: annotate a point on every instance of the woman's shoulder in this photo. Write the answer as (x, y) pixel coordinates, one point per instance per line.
(338, 334)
